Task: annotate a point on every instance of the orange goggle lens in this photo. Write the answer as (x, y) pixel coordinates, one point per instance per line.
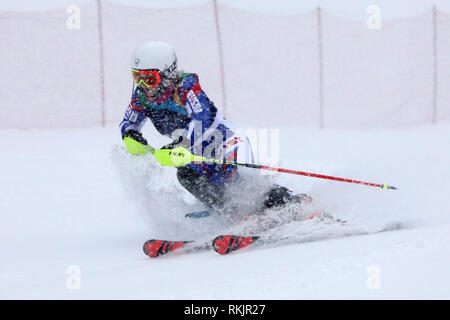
(150, 78)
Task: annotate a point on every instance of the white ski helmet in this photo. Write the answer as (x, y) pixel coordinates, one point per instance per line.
(154, 55)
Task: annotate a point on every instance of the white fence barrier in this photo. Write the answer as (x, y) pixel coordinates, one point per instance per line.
(70, 68)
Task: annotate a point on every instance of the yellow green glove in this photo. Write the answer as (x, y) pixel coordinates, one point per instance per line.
(136, 143)
(135, 147)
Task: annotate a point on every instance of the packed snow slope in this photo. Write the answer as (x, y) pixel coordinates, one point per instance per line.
(74, 205)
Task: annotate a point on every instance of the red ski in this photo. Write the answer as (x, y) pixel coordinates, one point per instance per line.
(155, 248)
(222, 244)
(227, 244)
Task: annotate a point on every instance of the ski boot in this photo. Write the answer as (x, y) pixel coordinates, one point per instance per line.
(280, 196)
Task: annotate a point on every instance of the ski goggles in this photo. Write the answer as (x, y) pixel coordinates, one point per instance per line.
(150, 78)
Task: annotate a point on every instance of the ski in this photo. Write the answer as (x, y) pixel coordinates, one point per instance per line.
(222, 244)
(226, 244)
(198, 214)
(155, 248)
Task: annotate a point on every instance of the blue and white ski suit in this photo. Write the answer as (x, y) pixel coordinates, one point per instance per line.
(191, 114)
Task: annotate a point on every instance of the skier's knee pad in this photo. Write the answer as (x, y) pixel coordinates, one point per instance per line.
(188, 176)
(199, 186)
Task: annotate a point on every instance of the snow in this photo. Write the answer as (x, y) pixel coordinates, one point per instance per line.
(74, 198)
(76, 207)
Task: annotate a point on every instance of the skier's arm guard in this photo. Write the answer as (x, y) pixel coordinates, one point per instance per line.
(176, 157)
(135, 142)
(174, 154)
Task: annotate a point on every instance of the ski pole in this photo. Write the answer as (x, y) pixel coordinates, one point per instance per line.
(180, 157)
(316, 175)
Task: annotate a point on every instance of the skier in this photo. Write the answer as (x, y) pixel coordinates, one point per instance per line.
(179, 108)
